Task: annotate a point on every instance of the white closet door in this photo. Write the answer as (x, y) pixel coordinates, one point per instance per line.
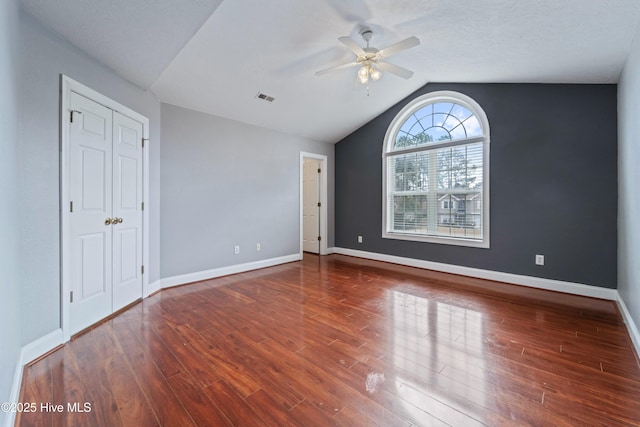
(106, 213)
(310, 208)
(127, 209)
(90, 143)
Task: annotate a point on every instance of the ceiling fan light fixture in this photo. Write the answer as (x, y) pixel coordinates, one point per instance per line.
(374, 73)
(369, 58)
(368, 71)
(363, 73)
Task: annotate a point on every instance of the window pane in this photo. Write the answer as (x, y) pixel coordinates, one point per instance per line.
(410, 213)
(450, 123)
(437, 134)
(410, 172)
(443, 121)
(442, 107)
(423, 113)
(458, 132)
(472, 126)
(460, 112)
(454, 206)
(409, 123)
(433, 191)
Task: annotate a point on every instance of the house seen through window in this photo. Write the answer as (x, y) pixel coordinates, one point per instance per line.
(436, 172)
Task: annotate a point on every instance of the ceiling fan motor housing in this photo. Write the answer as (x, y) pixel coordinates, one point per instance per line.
(366, 34)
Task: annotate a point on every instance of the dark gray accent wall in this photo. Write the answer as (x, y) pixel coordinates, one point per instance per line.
(553, 183)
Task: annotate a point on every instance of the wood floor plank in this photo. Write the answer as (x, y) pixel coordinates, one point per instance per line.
(161, 398)
(41, 379)
(232, 405)
(201, 409)
(225, 365)
(269, 411)
(194, 362)
(133, 405)
(336, 340)
(85, 381)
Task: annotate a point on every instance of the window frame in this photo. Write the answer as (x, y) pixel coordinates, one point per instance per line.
(388, 150)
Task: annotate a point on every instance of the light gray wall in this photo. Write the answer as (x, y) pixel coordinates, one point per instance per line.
(44, 56)
(10, 337)
(224, 183)
(629, 183)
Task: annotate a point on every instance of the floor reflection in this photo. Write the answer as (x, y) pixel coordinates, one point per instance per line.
(430, 340)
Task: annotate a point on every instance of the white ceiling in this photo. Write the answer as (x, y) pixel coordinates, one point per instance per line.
(215, 56)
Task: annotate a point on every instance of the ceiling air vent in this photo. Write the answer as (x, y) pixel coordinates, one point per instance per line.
(265, 97)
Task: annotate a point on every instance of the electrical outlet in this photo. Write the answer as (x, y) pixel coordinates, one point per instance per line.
(539, 259)
(236, 249)
(359, 239)
(257, 246)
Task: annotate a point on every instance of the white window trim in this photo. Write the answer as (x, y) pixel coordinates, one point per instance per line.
(389, 139)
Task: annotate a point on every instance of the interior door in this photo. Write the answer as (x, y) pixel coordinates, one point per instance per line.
(127, 210)
(90, 151)
(310, 208)
(106, 211)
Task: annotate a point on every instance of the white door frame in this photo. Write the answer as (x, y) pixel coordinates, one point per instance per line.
(323, 199)
(69, 85)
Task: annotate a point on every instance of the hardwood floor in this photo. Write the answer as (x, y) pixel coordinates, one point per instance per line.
(343, 341)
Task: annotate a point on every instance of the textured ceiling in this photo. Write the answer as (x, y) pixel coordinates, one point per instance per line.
(135, 38)
(244, 46)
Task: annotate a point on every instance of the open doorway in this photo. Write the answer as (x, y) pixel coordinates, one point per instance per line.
(313, 203)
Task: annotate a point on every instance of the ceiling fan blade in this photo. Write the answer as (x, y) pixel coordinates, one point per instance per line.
(400, 46)
(336, 68)
(394, 69)
(351, 44)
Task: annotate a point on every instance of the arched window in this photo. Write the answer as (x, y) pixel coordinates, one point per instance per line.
(436, 172)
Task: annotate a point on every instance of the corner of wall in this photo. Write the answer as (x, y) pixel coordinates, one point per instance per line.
(634, 333)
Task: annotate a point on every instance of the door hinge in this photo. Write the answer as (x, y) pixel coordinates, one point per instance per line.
(142, 269)
(71, 114)
(142, 206)
(319, 170)
(71, 206)
(71, 296)
(319, 238)
(319, 204)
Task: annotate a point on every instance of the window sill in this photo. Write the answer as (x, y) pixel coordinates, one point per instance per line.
(454, 241)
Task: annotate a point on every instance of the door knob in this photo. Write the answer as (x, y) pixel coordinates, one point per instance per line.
(113, 221)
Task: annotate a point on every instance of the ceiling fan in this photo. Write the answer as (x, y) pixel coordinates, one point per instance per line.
(370, 58)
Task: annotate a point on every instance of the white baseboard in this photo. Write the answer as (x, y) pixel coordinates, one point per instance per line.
(151, 288)
(29, 353)
(631, 324)
(516, 279)
(37, 348)
(225, 271)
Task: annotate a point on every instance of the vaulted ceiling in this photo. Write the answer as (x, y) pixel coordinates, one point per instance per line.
(215, 56)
